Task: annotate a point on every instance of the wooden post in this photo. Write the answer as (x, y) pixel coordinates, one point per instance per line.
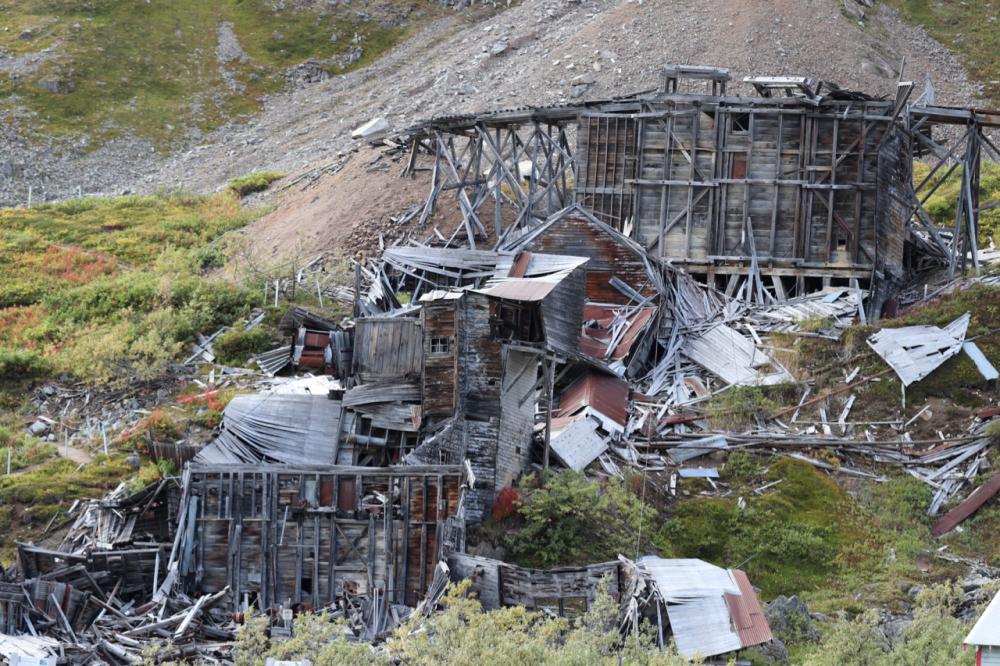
(357, 290)
(550, 389)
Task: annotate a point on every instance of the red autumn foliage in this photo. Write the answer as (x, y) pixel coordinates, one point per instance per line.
(506, 504)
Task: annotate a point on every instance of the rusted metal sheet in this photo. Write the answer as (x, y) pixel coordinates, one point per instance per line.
(748, 617)
(973, 502)
(608, 335)
(597, 393)
(610, 254)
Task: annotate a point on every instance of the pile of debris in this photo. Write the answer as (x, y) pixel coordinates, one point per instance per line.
(612, 295)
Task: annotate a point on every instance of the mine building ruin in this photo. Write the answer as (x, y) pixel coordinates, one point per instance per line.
(798, 186)
(612, 264)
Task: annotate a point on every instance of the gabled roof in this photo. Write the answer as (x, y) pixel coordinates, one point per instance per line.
(987, 628)
(597, 394)
(577, 210)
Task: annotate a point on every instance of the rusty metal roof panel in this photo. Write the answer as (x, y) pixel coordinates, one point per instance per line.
(748, 616)
(979, 496)
(601, 333)
(605, 394)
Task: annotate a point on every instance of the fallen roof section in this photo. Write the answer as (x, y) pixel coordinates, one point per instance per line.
(597, 394)
(725, 353)
(712, 610)
(273, 427)
(916, 351)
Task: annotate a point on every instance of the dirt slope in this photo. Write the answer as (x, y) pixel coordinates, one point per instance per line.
(545, 51)
(339, 212)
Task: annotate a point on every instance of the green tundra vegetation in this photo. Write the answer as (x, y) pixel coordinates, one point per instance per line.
(155, 69)
(969, 28)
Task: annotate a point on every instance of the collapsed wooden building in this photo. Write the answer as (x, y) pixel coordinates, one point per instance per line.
(799, 185)
(616, 262)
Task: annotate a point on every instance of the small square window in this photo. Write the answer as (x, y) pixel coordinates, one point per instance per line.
(740, 123)
(440, 345)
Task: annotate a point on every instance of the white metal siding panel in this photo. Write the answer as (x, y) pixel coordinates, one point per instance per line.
(702, 627)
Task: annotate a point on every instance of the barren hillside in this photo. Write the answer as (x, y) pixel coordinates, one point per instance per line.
(535, 52)
(547, 51)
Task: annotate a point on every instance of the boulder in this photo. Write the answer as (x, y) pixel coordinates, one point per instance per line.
(853, 10)
(790, 620)
(39, 428)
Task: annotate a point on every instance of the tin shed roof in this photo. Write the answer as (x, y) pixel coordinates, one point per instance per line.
(986, 631)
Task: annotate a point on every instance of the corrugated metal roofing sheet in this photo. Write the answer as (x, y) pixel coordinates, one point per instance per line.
(712, 610)
(916, 351)
(578, 444)
(595, 338)
(683, 579)
(702, 627)
(724, 352)
(748, 617)
(696, 447)
(605, 394)
(986, 631)
(272, 427)
(521, 289)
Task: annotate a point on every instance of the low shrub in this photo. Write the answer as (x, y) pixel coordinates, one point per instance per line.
(253, 182)
(18, 364)
(569, 519)
(235, 346)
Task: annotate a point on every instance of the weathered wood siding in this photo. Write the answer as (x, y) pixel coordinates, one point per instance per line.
(387, 348)
(280, 532)
(566, 591)
(608, 253)
(562, 312)
(895, 173)
(802, 177)
(479, 374)
(608, 143)
(440, 370)
(517, 415)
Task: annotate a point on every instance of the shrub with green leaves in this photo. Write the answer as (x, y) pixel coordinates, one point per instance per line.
(460, 634)
(569, 519)
(253, 182)
(18, 364)
(235, 346)
(933, 637)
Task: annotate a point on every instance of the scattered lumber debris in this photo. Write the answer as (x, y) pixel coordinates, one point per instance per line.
(593, 297)
(972, 503)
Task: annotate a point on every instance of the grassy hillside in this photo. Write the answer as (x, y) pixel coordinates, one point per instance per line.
(941, 205)
(156, 68)
(970, 28)
(101, 288)
(107, 291)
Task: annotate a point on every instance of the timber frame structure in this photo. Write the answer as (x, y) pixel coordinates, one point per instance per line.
(269, 534)
(799, 186)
